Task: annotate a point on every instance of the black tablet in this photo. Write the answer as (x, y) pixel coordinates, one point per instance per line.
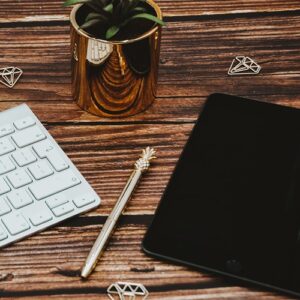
(232, 205)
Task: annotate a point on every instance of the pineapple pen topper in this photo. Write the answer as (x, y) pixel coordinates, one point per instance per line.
(140, 166)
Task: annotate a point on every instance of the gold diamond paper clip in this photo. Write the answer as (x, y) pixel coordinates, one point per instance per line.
(244, 65)
(9, 76)
(127, 291)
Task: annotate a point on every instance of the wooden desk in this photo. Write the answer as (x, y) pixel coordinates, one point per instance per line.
(199, 43)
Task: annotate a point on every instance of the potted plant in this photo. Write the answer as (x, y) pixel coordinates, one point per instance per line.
(115, 55)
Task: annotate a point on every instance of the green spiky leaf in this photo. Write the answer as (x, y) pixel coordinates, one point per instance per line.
(90, 23)
(108, 8)
(148, 17)
(94, 15)
(139, 9)
(112, 31)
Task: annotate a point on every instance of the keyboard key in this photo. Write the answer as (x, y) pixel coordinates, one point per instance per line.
(24, 123)
(84, 200)
(6, 165)
(40, 216)
(57, 162)
(24, 157)
(40, 170)
(15, 223)
(3, 234)
(19, 199)
(54, 184)
(28, 136)
(6, 129)
(4, 188)
(56, 201)
(6, 146)
(45, 149)
(19, 178)
(4, 207)
(63, 209)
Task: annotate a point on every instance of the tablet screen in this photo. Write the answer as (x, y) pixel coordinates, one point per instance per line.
(233, 202)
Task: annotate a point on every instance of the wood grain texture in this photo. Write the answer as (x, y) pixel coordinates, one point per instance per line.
(34, 10)
(194, 66)
(163, 111)
(49, 264)
(198, 45)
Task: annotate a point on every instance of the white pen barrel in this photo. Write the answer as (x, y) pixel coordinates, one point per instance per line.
(110, 223)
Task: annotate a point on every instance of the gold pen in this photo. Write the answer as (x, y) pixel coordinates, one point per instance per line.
(140, 166)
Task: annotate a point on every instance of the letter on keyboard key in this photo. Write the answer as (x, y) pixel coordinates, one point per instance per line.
(19, 199)
(4, 188)
(42, 216)
(15, 223)
(24, 123)
(6, 146)
(84, 200)
(6, 129)
(28, 136)
(4, 208)
(19, 178)
(6, 165)
(54, 184)
(3, 234)
(63, 209)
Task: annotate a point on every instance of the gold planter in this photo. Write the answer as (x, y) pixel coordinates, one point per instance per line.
(114, 79)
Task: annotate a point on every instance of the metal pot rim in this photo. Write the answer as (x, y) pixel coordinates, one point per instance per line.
(141, 37)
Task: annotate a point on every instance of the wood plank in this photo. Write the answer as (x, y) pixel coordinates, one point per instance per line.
(215, 294)
(49, 264)
(163, 111)
(34, 10)
(195, 58)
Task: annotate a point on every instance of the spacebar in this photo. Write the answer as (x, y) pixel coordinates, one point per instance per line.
(54, 184)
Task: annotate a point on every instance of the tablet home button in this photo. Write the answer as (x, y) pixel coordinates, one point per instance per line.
(233, 266)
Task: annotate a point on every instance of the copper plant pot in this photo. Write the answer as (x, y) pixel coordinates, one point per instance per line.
(114, 79)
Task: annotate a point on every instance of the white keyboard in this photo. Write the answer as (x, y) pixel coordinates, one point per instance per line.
(39, 185)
